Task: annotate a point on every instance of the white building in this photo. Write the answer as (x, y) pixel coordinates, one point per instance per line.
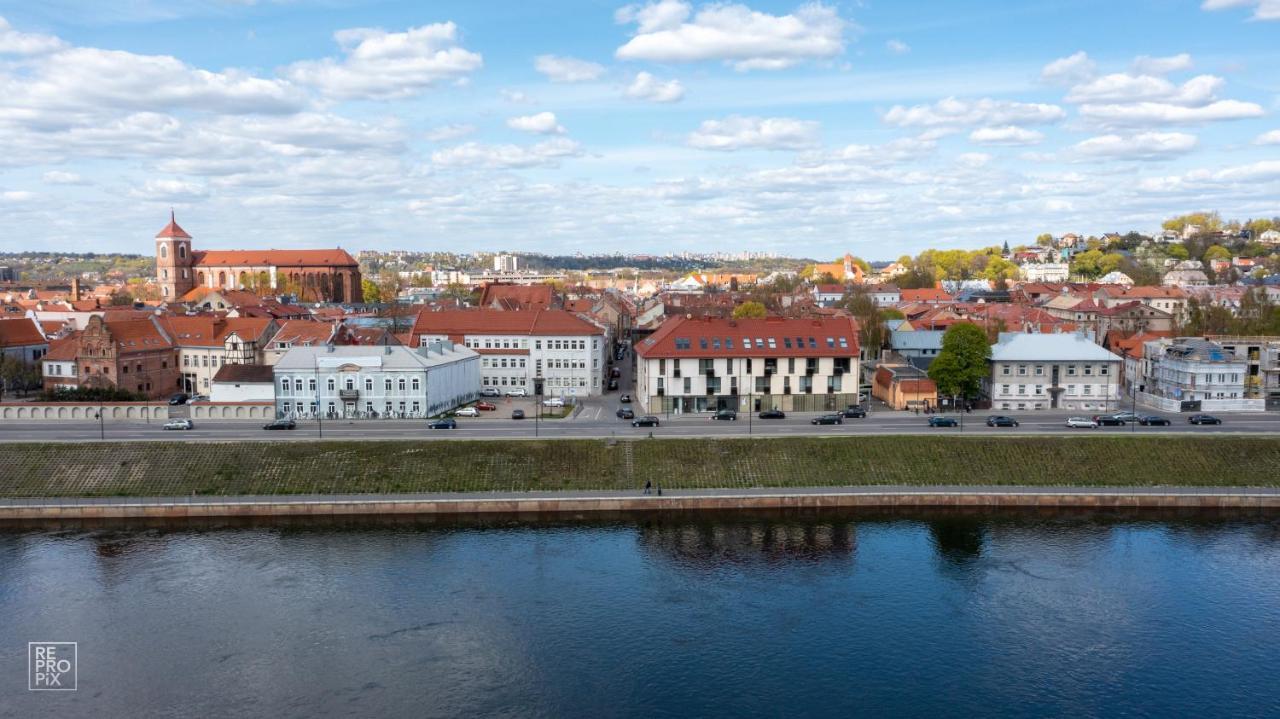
(886, 295)
(243, 383)
(1188, 369)
(1045, 271)
(566, 350)
(1116, 277)
(1053, 371)
(506, 263)
(356, 381)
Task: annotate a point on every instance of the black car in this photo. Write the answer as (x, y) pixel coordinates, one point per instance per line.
(854, 412)
(624, 399)
(517, 414)
(1108, 420)
(1001, 421)
(443, 424)
(613, 384)
(1152, 420)
(646, 421)
(725, 414)
(772, 414)
(828, 419)
(943, 422)
(280, 424)
(179, 398)
(626, 413)
(1203, 419)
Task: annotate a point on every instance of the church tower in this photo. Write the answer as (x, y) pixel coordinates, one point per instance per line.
(174, 261)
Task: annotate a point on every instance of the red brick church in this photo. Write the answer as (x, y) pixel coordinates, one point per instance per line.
(312, 275)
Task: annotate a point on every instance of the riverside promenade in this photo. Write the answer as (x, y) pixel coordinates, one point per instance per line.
(582, 502)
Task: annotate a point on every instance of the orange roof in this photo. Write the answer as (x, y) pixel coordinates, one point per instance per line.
(492, 322)
(771, 337)
(926, 294)
(303, 332)
(173, 230)
(212, 331)
(20, 333)
(507, 296)
(137, 335)
(273, 258)
(1134, 293)
(63, 350)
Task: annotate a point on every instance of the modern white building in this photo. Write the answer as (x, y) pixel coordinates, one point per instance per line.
(1045, 271)
(506, 263)
(1053, 371)
(362, 381)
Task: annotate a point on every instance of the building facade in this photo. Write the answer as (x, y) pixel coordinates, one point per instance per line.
(1190, 369)
(132, 355)
(205, 344)
(1066, 371)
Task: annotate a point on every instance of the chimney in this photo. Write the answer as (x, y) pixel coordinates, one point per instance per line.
(75, 289)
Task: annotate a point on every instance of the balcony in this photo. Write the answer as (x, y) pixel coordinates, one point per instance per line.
(348, 394)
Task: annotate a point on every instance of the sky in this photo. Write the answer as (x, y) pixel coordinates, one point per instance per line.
(803, 129)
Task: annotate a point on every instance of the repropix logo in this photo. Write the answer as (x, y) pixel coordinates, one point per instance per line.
(51, 666)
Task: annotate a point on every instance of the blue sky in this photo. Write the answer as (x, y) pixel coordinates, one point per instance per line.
(799, 128)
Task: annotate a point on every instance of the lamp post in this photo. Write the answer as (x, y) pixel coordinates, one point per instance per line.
(319, 407)
(102, 428)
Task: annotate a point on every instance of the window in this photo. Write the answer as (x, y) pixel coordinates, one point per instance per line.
(400, 384)
(1039, 370)
(1071, 389)
(688, 385)
(1071, 370)
(386, 384)
(1004, 369)
(1088, 369)
(331, 384)
(297, 384)
(1088, 389)
(1004, 389)
(1104, 370)
(350, 383)
(1039, 389)
(1022, 370)
(284, 384)
(368, 384)
(311, 384)
(1022, 389)
(416, 383)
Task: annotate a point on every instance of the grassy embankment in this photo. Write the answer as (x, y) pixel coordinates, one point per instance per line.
(170, 469)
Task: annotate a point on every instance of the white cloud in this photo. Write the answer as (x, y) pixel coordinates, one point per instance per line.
(13, 42)
(59, 177)
(951, 112)
(900, 150)
(1005, 135)
(1124, 88)
(567, 69)
(515, 96)
(648, 87)
(746, 38)
(897, 47)
(383, 65)
(1156, 113)
(452, 131)
(1262, 9)
(17, 195)
(1069, 70)
(542, 123)
(169, 190)
(1268, 138)
(770, 133)
(973, 159)
(478, 155)
(1147, 65)
(1146, 145)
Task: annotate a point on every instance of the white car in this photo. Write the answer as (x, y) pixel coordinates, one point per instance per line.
(467, 412)
(518, 392)
(490, 392)
(1081, 423)
(553, 402)
(179, 424)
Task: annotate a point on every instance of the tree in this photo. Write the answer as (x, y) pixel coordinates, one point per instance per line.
(371, 291)
(1216, 252)
(915, 278)
(961, 365)
(749, 310)
(1044, 240)
(1087, 264)
(1178, 252)
(1206, 221)
(120, 298)
(871, 330)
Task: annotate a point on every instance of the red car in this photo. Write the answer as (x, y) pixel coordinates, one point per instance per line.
(486, 406)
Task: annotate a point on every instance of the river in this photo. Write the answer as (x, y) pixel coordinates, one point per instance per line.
(926, 614)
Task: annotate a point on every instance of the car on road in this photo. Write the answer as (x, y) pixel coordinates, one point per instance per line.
(943, 422)
(999, 420)
(199, 398)
(625, 399)
(1203, 419)
(467, 412)
(854, 412)
(726, 414)
(646, 421)
(179, 424)
(625, 413)
(1108, 420)
(490, 392)
(517, 414)
(553, 402)
(486, 406)
(615, 373)
(517, 392)
(443, 424)
(1081, 423)
(828, 419)
(1127, 416)
(613, 385)
(772, 414)
(179, 398)
(280, 424)
(1154, 420)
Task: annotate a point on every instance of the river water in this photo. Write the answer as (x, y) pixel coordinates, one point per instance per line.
(733, 615)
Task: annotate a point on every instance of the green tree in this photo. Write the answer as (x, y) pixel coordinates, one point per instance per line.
(371, 291)
(749, 310)
(1206, 221)
(961, 365)
(915, 278)
(1044, 240)
(1087, 264)
(120, 298)
(1216, 252)
(1178, 252)
(871, 330)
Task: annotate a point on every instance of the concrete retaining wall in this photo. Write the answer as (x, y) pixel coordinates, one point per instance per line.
(233, 410)
(82, 411)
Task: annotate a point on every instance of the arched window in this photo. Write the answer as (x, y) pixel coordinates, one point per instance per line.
(164, 251)
(351, 383)
(182, 250)
(401, 384)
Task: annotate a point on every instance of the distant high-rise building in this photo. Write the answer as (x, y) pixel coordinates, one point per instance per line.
(8, 275)
(506, 263)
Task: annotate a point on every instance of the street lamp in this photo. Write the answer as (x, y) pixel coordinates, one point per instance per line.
(102, 428)
(315, 359)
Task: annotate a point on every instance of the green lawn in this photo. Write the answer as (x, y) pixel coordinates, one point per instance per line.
(167, 469)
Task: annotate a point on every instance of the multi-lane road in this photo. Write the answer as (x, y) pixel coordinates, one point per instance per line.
(597, 420)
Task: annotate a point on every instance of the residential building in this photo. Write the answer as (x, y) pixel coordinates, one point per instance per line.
(827, 295)
(569, 352)
(505, 296)
(133, 355)
(1116, 277)
(1172, 300)
(1261, 355)
(1189, 369)
(918, 347)
(886, 295)
(1045, 271)
(367, 382)
(843, 270)
(904, 386)
(1052, 371)
(243, 383)
(23, 340)
(298, 333)
(506, 263)
(1185, 278)
(699, 365)
(927, 295)
(206, 343)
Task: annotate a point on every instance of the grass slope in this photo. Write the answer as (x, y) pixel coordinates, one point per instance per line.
(171, 469)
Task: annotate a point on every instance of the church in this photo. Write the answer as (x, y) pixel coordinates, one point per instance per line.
(311, 275)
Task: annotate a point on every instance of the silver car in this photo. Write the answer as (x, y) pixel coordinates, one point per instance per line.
(179, 424)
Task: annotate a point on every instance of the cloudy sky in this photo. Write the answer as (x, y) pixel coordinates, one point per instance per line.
(877, 127)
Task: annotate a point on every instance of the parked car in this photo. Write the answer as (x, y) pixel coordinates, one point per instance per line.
(625, 399)
(1001, 421)
(943, 422)
(1153, 420)
(490, 392)
(517, 392)
(443, 424)
(179, 398)
(626, 413)
(615, 373)
(199, 398)
(486, 406)
(1108, 420)
(467, 412)
(280, 424)
(553, 402)
(1127, 416)
(1203, 419)
(726, 414)
(646, 421)
(1082, 423)
(854, 412)
(179, 424)
(517, 414)
(828, 419)
(772, 414)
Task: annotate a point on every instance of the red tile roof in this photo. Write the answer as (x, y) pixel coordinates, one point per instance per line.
(303, 332)
(20, 333)
(173, 230)
(926, 294)
(507, 296)
(499, 322)
(771, 337)
(63, 350)
(212, 331)
(273, 258)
